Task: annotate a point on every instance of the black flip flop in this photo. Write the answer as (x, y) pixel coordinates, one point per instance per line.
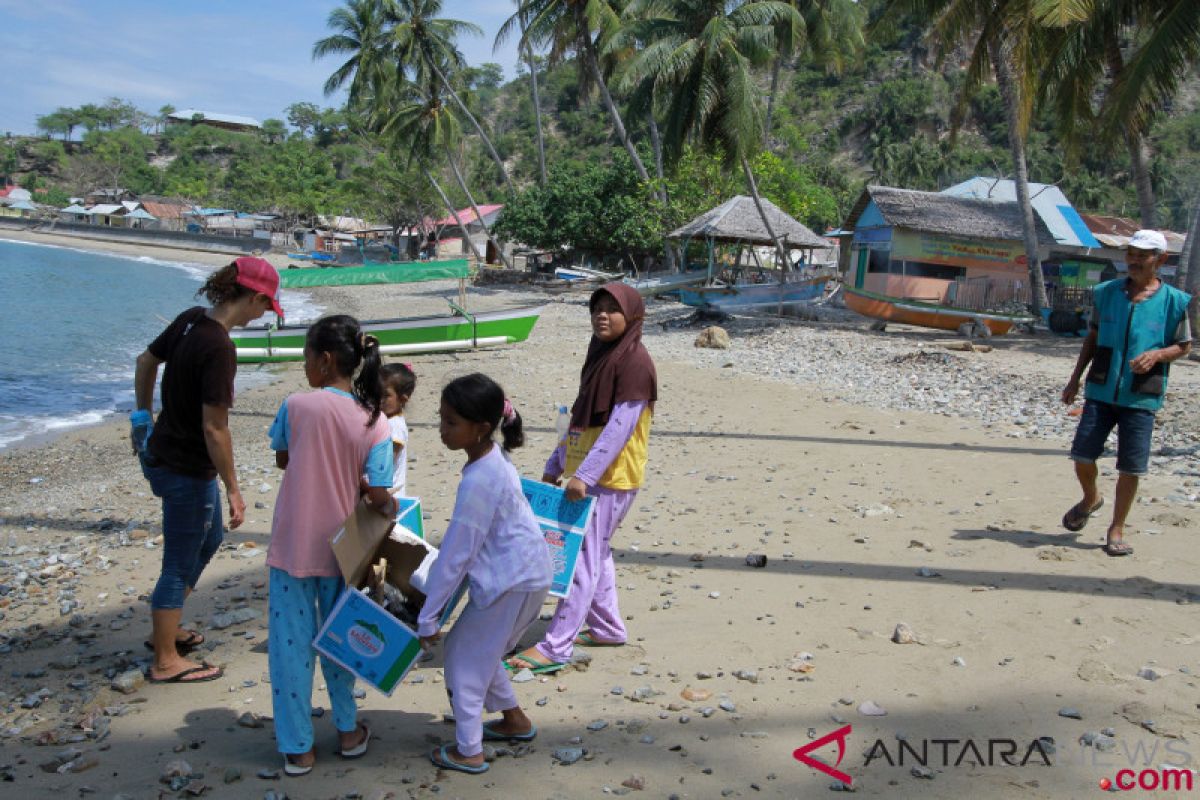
(182, 677)
(1075, 520)
(1117, 549)
(184, 646)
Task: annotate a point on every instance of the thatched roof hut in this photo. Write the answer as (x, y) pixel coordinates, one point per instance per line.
(737, 220)
(932, 212)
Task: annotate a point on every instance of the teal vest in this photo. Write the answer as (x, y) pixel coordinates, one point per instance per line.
(1126, 331)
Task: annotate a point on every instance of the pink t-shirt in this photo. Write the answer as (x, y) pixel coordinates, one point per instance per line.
(330, 446)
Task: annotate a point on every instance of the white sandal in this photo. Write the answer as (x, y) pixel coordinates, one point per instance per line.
(296, 770)
(360, 749)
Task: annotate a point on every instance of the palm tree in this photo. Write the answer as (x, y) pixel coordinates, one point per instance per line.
(360, 32)
(1005, 36)
(1164, 39)
(527, 51)
(424, 43)
(699, 56)
(831, 31)
(567, 26)
(421, 124)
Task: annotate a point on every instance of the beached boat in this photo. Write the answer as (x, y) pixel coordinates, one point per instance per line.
(374, 272)
(460, 330)
(926, 315)
(585, 274)
(755, 296)
(654, 285)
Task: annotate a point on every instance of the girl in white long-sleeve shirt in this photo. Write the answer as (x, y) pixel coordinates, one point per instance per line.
(495, 543)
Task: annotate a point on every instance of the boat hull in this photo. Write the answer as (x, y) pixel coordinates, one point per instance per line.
(749, 297)
(398, 336)
(925, 315)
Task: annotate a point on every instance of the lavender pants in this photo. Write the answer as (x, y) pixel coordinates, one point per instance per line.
(593, 596)
(476, 679)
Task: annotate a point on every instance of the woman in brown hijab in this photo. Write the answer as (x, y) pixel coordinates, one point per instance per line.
(602, 455)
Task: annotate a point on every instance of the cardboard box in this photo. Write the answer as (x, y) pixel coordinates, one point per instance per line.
(563, 523)
(359, 634)
(408, 515)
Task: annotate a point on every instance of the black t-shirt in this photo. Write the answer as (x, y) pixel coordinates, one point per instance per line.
(201, 362)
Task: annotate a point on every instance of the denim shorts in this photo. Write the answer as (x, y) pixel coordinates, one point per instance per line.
(192, 530)
(1134, 428)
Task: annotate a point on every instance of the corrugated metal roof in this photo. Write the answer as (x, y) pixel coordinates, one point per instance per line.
(1061, 218)
(107, 209)
(467, 215)
(188, 114)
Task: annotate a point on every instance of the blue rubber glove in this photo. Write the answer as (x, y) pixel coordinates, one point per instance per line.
(140, 426)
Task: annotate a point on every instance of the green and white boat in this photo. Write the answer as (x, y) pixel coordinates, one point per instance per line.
(460, 330)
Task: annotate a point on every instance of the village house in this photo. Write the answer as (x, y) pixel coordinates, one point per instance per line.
(939, 248)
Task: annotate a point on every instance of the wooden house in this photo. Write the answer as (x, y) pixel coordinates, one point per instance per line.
(938, 248)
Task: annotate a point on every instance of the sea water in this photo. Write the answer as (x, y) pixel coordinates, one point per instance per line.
(72, 322)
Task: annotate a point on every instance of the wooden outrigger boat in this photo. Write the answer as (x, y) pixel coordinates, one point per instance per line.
(926, 315)
(753, 296)
(459, 331)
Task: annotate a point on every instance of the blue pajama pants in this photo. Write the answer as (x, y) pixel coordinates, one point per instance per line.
(297, 608)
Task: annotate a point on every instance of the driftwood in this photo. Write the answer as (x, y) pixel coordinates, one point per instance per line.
(969, 347)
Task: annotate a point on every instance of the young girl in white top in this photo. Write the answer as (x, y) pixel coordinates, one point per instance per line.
(399, 382)
(495, 543)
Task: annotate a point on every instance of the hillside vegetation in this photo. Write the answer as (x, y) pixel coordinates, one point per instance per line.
(885, 118)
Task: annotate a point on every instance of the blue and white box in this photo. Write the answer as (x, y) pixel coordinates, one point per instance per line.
(563, 523)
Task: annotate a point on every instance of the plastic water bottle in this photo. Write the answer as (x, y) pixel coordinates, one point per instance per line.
(562, 423)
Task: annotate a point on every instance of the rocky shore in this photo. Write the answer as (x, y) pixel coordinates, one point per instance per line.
(840, 528)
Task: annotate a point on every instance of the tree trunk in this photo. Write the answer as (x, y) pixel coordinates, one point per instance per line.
(478, 128)
(454, 213)
(1016, 143)
(779, 251)
(1189, 267)
(776, 68)
(537, 106)
(1139, 158)
(593, 66)
(462, 184)
(656, 143)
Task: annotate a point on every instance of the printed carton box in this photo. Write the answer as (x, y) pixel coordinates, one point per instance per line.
(359, 634)
(563, 523)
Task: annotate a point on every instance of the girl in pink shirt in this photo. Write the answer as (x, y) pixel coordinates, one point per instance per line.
(324, 441)
(494, 542)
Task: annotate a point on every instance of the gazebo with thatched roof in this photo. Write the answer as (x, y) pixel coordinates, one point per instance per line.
(737, 222)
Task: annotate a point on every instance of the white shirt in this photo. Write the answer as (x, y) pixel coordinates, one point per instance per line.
(400, 469)
(493, 540)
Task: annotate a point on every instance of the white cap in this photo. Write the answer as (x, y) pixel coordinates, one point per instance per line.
(1148, 240)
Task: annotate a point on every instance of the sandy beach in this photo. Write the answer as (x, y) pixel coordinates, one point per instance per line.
(887, 479)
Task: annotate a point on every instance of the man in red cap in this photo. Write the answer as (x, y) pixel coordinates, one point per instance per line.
(1139, 326)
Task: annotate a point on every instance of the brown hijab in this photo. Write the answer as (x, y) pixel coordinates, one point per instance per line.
(618, 371)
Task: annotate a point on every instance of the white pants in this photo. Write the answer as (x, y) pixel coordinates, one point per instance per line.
(475, 675)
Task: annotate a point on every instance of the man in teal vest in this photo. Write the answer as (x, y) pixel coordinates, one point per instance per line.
(1139, 326)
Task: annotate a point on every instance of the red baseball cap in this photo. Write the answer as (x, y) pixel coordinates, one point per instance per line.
(259, 275)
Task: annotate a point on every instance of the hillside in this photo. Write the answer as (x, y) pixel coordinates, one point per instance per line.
(886, 119)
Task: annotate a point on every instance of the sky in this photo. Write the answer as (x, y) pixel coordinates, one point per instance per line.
(247, 57)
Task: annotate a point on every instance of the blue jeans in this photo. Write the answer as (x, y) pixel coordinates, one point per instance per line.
(1134, 429)
(192, 530)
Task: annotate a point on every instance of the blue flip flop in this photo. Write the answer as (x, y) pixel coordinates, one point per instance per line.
(442, 760)
(492, 735)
